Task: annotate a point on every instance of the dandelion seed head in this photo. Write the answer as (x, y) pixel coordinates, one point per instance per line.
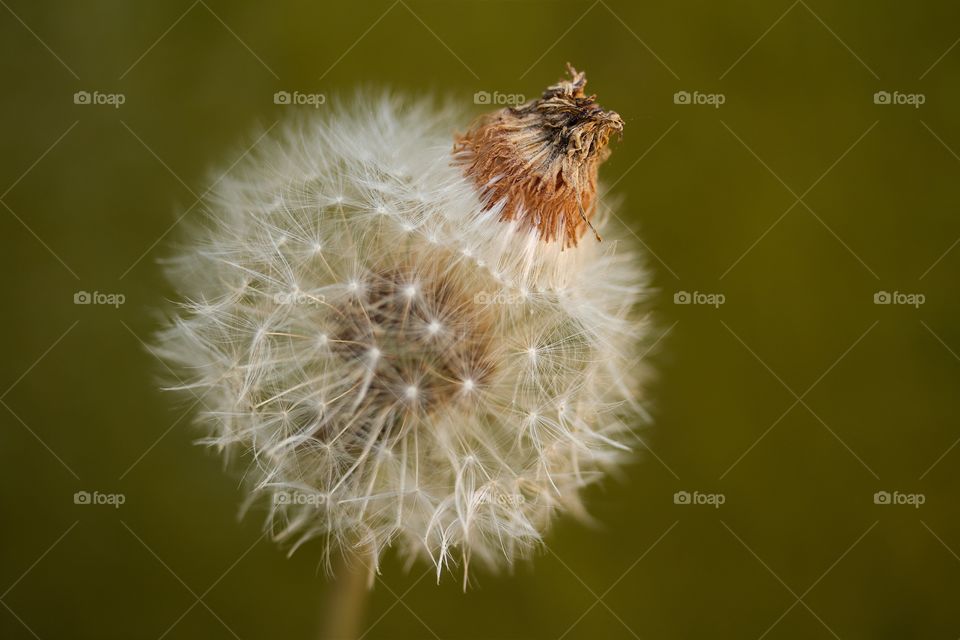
(437, 406)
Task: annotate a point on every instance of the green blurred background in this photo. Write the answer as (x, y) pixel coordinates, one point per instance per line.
(798, 399)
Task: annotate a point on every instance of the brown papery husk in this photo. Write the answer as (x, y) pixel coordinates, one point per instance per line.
(540, 160)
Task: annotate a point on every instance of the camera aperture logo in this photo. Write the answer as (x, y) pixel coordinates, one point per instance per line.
(697, 498)
(95, 498)
(715, 100)
(297, 98)
(710, 299)
(897, 498)
(97, 98)
(110, 299)
(499, 99)
(899, 298)
(897, 98)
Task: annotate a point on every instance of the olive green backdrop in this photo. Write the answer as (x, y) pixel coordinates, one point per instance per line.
(798, 200)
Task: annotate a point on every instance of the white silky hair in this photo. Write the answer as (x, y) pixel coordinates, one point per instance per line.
(399, 367)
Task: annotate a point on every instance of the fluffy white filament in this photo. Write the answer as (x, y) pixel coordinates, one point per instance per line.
(400, 368)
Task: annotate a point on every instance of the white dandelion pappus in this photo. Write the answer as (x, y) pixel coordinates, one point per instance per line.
(408, 341)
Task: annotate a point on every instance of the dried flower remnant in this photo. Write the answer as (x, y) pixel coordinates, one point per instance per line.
(539, 161)
(406, 342)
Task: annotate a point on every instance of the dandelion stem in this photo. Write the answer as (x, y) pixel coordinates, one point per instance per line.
(346, 601)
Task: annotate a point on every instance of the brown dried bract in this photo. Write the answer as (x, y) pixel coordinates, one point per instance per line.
(541, 159)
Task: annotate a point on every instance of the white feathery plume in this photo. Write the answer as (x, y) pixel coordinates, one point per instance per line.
(406, 353)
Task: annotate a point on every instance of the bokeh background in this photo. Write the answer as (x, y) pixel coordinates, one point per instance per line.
(798, 200)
